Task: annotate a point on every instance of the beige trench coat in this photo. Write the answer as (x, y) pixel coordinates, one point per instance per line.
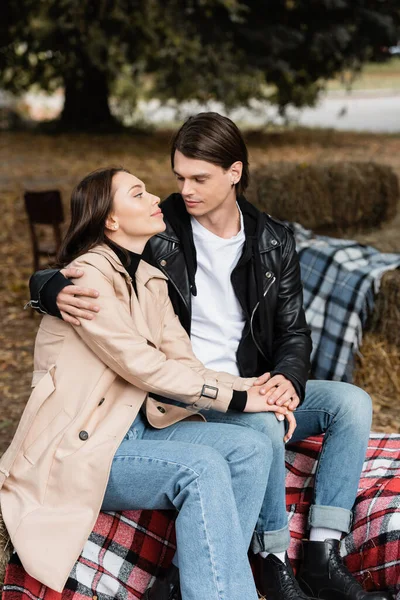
(89, 383)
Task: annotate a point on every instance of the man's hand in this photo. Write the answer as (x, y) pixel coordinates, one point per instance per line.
(70, 306)
(279, 390)
(262, 379)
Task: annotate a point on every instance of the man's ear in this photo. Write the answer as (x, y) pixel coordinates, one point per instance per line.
(236, 169)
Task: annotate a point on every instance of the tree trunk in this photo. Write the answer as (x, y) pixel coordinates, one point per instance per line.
(86, 100)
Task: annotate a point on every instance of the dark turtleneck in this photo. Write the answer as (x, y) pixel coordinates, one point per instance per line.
(130, 260)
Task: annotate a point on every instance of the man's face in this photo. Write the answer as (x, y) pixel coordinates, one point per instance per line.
(204, 186)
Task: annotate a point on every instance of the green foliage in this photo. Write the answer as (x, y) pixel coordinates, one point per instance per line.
(227, 50)
(296, 45)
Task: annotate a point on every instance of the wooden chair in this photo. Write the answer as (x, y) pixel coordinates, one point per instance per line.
(44, 208)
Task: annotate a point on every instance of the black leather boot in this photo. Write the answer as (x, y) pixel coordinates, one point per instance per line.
(276, 579)
(323, 575)
(165, 588)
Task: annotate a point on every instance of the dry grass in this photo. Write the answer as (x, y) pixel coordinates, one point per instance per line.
(5, 549)
(378, 373)
(385, 319)
(324, 195)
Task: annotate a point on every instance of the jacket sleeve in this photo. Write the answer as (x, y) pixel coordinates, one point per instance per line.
(115, 339)
(292, 337)
(44, 287)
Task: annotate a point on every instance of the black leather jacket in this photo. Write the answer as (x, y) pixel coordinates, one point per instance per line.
(266, 281)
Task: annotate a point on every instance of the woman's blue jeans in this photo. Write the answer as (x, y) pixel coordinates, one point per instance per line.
(215, 475)
(343, 412)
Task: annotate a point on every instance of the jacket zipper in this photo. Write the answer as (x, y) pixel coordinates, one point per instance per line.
(252, 317)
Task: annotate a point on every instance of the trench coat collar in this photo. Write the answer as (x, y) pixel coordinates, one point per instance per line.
(139, 306)
(144, 272)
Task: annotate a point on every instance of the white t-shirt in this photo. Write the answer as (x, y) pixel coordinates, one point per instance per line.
(217, 317)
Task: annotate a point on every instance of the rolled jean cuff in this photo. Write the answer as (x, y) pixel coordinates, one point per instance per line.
(331, 517)
(271, 541)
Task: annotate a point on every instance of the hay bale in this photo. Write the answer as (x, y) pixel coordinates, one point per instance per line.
(333, 196)
(377, 371)
(5, 548)
(385, 318)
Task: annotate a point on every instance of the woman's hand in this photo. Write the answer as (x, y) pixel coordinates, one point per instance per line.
(291, 426)
(256, 402)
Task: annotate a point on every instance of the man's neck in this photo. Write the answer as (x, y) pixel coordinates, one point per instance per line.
(224, 221)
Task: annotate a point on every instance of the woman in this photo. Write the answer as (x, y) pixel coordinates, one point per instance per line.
(91, 437)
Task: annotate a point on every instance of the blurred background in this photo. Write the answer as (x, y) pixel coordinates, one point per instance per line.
(314, 85)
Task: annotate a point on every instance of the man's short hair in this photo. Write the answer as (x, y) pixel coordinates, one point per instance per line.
(216, 139)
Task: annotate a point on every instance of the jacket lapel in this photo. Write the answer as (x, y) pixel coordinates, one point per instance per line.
(144, 315)
(146, 280)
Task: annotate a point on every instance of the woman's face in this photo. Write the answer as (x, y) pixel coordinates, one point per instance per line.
(136, 215)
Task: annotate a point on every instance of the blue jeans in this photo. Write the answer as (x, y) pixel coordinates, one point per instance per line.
(215, 476)
(343, 412)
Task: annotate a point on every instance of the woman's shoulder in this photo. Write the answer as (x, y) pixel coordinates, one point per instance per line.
(100, 268)
(102, 258)
(147, 271)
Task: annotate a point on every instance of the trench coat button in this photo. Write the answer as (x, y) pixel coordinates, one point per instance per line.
(83, 435)
(268, 274)
(274, 242)
(101, 401)
(161, 409)
(163, 263)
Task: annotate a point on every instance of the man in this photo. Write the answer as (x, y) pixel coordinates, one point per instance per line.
(234, 281)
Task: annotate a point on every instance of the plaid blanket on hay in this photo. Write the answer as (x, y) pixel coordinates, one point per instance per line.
(126, 550)
(340, 279)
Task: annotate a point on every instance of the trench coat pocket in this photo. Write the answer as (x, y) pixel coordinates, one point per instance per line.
(48, 420)
(27, 426)
(44, 439)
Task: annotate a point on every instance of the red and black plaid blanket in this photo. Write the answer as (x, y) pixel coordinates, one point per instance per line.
(127, 550)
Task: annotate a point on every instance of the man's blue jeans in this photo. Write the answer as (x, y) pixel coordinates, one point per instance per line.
(343, 412)
(215, 476)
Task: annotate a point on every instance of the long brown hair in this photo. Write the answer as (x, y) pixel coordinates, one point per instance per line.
(91, 203)
(216, 139)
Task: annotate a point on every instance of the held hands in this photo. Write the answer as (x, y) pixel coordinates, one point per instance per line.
(279, 392)
(70, 305)
(256, 403)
